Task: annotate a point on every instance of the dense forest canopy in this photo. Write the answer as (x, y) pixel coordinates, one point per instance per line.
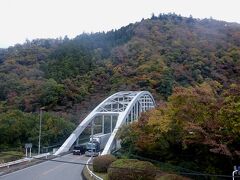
(155, 54)
(166, 55)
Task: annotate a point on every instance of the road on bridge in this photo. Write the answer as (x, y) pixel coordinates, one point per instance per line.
(51, 170)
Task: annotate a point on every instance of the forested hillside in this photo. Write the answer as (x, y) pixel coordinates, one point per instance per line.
(198, 129)
(155, 54)
(160, 54)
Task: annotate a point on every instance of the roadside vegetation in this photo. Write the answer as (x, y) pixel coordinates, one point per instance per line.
(110, 168)
(197, 129)
(18, 128)
(10, 156)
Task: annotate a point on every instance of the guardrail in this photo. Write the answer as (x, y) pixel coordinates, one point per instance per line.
(8, 164)
(92, 173)
(41, 155)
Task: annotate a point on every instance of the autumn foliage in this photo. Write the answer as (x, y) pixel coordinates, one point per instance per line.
(198, 127)
(131, 169)
(102, 163)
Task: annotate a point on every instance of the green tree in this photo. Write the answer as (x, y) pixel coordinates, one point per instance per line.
(165, 84)
(18, 128)
(230, 111)
(52, 93)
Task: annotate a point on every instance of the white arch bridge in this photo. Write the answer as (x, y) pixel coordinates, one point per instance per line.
(118, 109)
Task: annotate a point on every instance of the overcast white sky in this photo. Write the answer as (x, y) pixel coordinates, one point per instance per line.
(29, 19)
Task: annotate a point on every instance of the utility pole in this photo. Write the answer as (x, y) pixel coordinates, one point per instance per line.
(92, 124)
(40, 130)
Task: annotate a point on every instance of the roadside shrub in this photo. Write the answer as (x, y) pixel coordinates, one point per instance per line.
(10, 156)
(101, 163)
(131, 169)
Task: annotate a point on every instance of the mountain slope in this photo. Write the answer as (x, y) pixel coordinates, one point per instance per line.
(155, 54)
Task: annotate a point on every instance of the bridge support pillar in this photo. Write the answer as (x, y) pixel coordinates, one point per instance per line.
(103, 123)
(111, 123)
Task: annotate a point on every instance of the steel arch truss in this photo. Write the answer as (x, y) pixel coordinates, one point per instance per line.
(126, 105)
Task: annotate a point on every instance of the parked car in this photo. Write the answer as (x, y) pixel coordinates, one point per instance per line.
(79, 149)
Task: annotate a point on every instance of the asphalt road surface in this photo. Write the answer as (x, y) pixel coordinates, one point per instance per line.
(51, 170)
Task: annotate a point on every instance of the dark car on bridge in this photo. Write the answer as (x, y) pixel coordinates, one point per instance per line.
(79, 149)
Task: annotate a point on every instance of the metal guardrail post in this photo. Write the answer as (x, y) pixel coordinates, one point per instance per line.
(92, 173)
(233, 174)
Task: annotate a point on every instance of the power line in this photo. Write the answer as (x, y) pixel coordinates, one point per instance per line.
(158, 162)
(136, 169)
(61, 161)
